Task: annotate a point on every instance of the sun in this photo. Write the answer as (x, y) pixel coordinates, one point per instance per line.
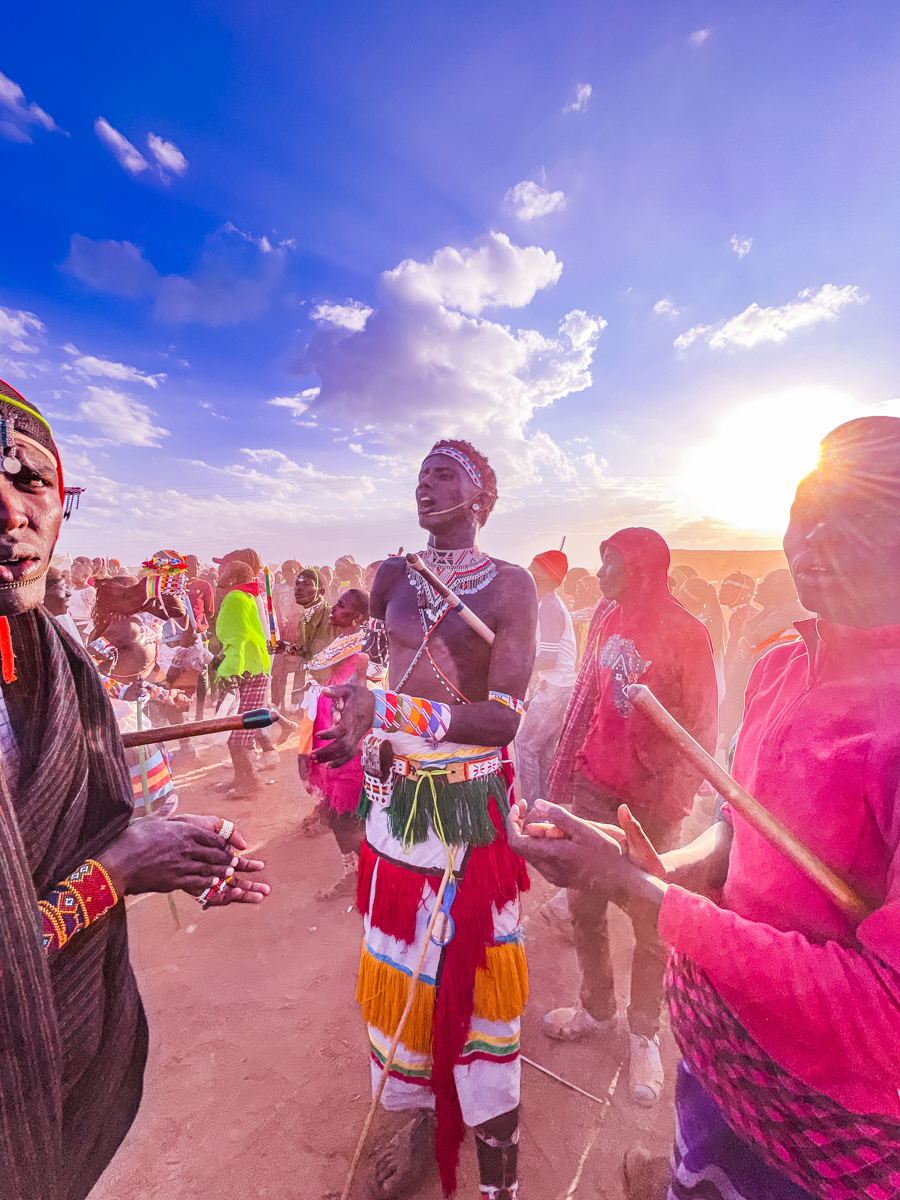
(747, 472)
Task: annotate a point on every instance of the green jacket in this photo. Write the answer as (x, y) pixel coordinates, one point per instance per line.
(240, 631)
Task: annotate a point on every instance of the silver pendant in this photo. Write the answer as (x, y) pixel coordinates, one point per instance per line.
(11, 465)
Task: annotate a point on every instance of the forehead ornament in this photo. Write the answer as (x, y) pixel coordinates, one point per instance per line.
(10, 461)
(464, 461)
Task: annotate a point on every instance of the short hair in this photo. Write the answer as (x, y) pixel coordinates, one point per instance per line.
(237, 572)
(360, 601)
(488, 477)
(54, 575)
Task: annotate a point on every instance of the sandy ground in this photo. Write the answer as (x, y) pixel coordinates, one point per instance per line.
(258, 1080)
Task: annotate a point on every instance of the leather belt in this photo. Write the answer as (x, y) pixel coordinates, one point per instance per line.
(454, 772)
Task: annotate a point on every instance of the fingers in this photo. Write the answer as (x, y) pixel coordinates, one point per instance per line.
(248, 864)
(640, 848)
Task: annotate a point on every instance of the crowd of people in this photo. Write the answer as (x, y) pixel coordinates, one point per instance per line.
(448, 739)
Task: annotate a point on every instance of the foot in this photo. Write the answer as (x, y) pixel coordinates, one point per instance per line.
(400, 1165)
(268, 760)
(646, 1071)
(283, 730)
(311, 825)
(346, 885)
(572, 1024)
(646, 1176)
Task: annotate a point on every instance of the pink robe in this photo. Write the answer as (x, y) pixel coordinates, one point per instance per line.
(340, 787)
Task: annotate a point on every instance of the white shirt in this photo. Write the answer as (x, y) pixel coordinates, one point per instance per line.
(556, 635)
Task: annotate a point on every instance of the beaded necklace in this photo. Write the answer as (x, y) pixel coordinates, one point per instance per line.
(463, 571)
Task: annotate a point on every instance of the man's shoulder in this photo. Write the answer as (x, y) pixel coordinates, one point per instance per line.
(511, 573)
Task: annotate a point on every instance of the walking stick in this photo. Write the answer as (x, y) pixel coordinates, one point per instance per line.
(388, 1062)
(452, 599)
(751, 810)
(257, 718)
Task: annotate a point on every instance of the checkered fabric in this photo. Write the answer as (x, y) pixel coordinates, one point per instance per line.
(253, 693)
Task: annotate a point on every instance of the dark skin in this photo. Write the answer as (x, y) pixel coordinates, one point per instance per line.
(508, 605)
(843, 548)
(153, 854)
(56, 597)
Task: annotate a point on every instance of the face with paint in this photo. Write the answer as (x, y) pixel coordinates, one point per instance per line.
(308, 588)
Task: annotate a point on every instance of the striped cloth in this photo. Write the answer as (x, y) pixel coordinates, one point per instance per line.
(71, 1025)
(253, 693)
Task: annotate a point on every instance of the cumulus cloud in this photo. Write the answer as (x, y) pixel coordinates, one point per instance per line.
(296, 405)
(739, 245)
(426, 365)
(16, 327)
(17, 118)
(87, 364)
(232, 281)
(126, 155)
(582, 95)
(666, 307)
(529, 200)
(699, 36)
(756, 325)
(167, 154)
(352, 315)
(121, 420)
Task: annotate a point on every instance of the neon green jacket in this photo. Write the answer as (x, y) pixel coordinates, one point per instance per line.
(240, 631)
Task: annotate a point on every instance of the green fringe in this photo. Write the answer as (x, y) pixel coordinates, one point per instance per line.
(362, 809)
(462, 808)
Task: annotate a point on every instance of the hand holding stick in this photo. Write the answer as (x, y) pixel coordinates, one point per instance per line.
(452, 599)
(751, 810)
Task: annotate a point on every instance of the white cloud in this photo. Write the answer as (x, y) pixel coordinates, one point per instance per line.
(699, 36)
(739, 245)
(296, 405)
(232, 281)
(15, 330)
(582, 95)
(666, 307)
(127, 156)
(427, 366)
(530, 200)
(493, 272)
(17, 117)
(122, 420)
(167, 154)
(87, 364)
(352, 315)
(756, 325)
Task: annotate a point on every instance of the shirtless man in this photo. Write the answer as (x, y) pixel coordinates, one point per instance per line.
(436, 789)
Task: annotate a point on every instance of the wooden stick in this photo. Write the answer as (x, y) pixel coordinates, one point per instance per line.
(452, 599)
(564, 1082)
(388, 1062)
(257, 718)
(751, 810)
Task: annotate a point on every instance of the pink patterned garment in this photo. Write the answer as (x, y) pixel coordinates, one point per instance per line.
(815, 1142)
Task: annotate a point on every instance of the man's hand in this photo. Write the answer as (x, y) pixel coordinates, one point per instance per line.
(570, 852)
(239, 889)
(159, 855)
(354, 710)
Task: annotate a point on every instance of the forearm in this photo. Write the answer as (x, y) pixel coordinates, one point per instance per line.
(702, 865)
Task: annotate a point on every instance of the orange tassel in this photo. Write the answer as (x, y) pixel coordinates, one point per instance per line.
(7, 656)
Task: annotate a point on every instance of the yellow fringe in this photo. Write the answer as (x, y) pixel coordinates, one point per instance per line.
(502, 990)
(500, 995)
(382, 992)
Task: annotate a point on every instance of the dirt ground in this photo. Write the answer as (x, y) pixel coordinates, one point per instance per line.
(258, 1080)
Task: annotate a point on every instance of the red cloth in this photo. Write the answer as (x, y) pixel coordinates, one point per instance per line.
(555, 563)
(820, 748)
(200, 594)
(251, 588)
(649, 637)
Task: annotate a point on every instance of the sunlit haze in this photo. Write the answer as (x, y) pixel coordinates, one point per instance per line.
(257, 257)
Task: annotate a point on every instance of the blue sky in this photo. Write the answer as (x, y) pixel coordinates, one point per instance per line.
(255, 257)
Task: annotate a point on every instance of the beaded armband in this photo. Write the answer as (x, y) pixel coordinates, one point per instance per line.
(152, 691)
(510, 701)
(76, 903)
(104, 649)
(396, 712)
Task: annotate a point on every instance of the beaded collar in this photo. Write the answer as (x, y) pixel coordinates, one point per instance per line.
(463, 571)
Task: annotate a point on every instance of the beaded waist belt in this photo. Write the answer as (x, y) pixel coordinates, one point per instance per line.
(453, 772)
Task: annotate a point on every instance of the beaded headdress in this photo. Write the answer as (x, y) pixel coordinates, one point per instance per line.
(464, 461)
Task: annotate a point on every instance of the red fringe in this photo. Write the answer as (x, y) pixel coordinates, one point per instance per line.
(494, 875)
(7, 656)
(398, 895)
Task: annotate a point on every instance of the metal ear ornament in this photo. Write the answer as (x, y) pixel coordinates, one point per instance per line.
(10, 461)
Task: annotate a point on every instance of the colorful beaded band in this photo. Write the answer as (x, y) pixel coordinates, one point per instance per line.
(464, 461)
(510, 701)
(395, 712)
(76, 903)
(152, 691)
(104, 649)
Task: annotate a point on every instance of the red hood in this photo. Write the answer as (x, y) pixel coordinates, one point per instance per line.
(647, 558)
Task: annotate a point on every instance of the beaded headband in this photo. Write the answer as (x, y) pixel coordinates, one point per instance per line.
(464, 461)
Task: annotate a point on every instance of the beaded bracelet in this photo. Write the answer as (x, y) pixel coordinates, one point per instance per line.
(510, 701)
(75, 903)
(395, 712)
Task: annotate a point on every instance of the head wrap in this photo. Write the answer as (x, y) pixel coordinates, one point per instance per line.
(29, 422)
(554, 563)
(464, 461)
